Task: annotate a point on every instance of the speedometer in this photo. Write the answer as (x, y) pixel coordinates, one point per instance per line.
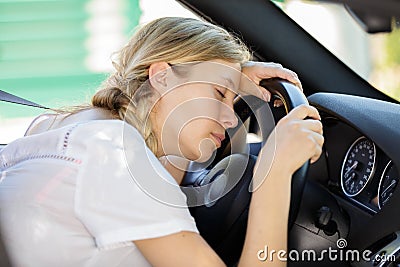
(358, 166)
(387, 184)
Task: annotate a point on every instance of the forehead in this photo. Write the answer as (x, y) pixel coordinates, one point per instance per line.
(219, 72)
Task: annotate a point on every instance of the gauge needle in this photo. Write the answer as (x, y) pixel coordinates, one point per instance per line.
(390, 186)
(351, 168)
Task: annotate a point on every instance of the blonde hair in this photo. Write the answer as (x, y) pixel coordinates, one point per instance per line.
(173, 40)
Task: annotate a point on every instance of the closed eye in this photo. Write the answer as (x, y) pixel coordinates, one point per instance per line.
(220, 93)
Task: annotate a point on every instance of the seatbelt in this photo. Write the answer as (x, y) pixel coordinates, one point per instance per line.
(7, 97)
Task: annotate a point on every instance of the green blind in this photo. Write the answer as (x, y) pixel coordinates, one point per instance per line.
(43, 50)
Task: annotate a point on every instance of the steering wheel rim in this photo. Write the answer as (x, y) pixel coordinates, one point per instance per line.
(291, 98)
(226, 234)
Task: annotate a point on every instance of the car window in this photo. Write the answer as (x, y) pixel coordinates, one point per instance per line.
(375, 57)
(56, 53)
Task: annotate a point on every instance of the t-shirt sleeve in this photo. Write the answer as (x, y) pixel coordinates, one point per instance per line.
(123, 193)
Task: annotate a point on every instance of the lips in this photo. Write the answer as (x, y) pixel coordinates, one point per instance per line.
(219, 138)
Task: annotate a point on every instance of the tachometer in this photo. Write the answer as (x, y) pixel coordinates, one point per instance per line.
(387, 184)
(358, 166)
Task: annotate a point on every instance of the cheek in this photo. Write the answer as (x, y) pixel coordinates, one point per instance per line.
(193, 116)
(198, 129)
(195, 141)
(186, 126)
(198, 108)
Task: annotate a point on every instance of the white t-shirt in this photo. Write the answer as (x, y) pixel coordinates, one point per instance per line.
(79, 195)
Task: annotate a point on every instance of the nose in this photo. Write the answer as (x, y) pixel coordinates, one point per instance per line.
(227, 116)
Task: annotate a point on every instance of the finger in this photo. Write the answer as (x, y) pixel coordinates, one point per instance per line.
(278, 103)
(266, 95)
(292, 77)
(249, 86)
(319, 141)
(303, 111)
(276, 70)
(269, 64)
(318, 138)
(316, 155)
(313, 125)
(268, 70)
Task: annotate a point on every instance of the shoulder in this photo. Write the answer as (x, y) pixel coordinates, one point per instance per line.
(103, 138)
(115, 150)
(114, 131)
(40, 124)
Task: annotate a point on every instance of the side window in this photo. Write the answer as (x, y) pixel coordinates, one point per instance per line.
(373, 56)
(56, 53)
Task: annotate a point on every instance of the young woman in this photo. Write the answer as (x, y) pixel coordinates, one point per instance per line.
(88, 187)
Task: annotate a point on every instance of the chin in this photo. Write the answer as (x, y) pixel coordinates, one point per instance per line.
(206, 153)
(204, 158)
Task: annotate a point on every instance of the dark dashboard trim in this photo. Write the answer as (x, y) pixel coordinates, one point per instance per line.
(376, 119)
(379, 121)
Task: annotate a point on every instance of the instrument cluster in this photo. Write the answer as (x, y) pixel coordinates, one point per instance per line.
(359, 171)
(366, 176)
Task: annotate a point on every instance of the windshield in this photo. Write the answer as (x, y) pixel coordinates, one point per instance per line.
(375, 57)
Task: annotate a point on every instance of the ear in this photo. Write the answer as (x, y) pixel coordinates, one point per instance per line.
(158, 73)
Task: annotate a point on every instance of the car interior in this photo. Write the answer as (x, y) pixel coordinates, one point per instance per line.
(350, 194)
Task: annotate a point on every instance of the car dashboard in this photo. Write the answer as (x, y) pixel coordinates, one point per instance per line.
(358, 168)
(361, 148)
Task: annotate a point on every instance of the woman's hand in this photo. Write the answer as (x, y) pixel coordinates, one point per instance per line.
(293, 141)
(257, 71)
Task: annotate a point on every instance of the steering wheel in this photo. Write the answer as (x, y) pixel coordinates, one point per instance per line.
(222, 219)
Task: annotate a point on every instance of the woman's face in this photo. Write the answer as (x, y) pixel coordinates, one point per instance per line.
(194, 109)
